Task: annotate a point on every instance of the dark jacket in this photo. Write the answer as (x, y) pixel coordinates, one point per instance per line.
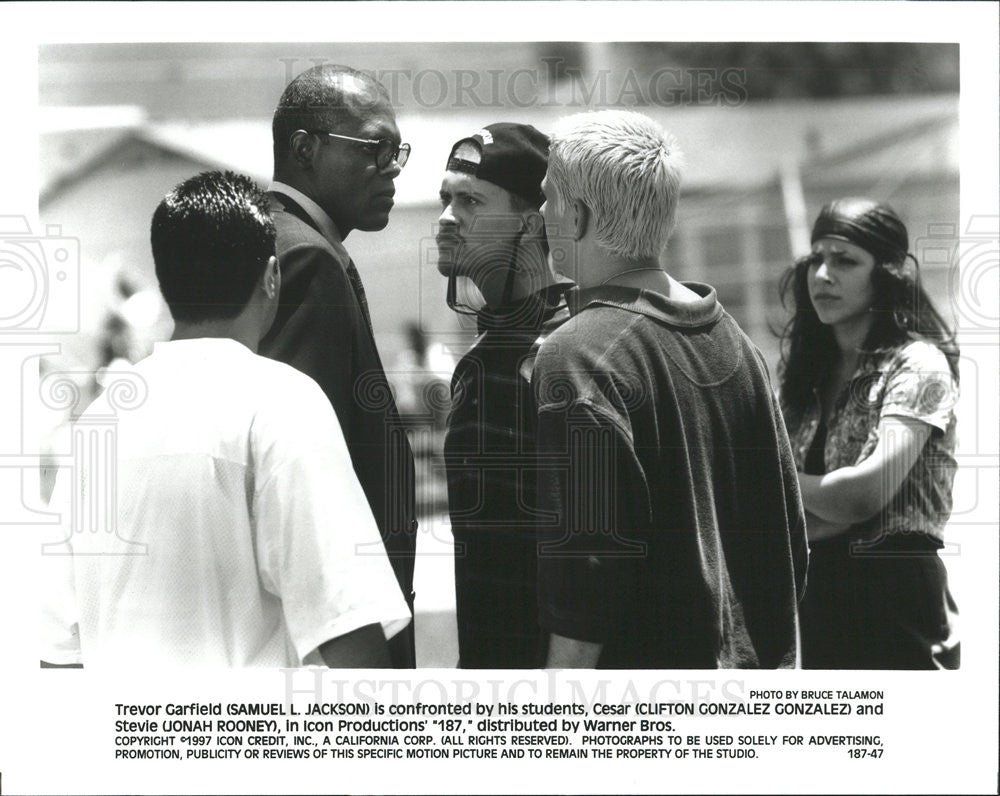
(322, 328)
(490, 458)
(676, 534)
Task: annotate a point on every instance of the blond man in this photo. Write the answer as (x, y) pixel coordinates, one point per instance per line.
(675, 533)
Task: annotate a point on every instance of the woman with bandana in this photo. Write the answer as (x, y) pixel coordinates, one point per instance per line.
(869, 382)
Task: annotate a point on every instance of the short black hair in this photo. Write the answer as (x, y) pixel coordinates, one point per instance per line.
(315, 101)
(212, 237)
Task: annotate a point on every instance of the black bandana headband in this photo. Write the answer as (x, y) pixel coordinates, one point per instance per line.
(873, 226)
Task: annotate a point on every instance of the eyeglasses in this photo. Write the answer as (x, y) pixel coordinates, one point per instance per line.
(384, 149)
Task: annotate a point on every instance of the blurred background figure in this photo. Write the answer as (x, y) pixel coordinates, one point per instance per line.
(869, 384)
(130, 324)
(419, 374)
(492, 234)
(131, 319)
(416, 367)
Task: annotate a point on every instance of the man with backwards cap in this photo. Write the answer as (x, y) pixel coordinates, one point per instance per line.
(337, 153)
(492, 235)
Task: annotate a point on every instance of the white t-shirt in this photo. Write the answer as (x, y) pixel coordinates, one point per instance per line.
(241, 535)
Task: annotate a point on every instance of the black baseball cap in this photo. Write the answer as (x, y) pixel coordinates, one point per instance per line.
(513, 156)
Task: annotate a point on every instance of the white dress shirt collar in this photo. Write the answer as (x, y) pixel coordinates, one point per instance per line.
(325, 224)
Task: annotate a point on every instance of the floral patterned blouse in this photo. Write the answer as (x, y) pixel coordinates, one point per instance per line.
(911, 381)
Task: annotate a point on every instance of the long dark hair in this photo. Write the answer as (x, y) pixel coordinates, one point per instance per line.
(902, 310)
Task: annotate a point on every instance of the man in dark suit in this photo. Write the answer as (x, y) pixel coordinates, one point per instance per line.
(336, 153)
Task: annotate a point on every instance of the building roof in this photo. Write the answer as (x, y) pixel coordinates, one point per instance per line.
(726, 148)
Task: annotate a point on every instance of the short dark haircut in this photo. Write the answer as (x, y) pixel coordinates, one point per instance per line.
(315, 100)
(212, 237)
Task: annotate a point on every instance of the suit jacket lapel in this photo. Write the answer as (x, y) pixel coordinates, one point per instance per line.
(292, 207)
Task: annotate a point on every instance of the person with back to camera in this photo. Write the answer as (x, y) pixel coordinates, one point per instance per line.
(869, 383)
(671, 532)
(234, 537)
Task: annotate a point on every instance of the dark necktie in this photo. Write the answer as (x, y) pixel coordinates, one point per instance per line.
(359, 292)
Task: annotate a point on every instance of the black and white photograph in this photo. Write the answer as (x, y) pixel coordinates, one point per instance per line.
(384, 400)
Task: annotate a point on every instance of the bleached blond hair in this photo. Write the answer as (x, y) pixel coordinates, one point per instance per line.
(628, 171)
